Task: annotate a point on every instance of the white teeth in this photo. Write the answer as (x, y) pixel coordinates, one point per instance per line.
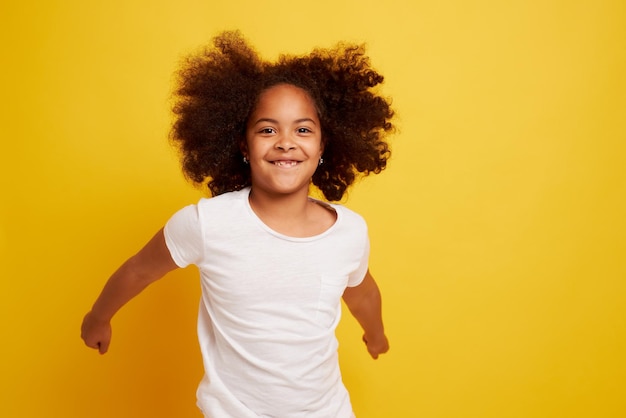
(285, 163)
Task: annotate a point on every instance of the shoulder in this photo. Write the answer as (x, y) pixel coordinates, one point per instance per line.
(208, 208)
(350, 221)
(224, 200)
(348, 214)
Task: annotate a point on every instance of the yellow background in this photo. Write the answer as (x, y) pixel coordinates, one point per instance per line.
(498, 231)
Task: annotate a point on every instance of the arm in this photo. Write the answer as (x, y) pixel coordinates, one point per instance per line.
(364, 302)
(150, 264)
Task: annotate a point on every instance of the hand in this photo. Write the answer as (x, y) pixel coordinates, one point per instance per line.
(96, 333)
(376, 346)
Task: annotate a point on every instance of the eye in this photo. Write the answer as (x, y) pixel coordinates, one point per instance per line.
(267, 131)
(304, 130)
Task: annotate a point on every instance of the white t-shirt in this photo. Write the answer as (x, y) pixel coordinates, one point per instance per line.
(270, 305)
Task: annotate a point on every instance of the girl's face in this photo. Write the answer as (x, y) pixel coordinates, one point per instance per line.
(283, 141)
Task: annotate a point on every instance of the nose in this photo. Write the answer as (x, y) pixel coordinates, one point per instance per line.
(285, 143)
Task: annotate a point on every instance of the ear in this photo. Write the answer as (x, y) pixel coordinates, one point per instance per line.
(243, 147)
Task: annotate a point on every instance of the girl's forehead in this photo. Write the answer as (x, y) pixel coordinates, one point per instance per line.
(285, 96)
(285, 90)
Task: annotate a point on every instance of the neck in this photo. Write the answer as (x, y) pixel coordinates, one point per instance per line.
(290, 214)
(279, 206)
(294, 214)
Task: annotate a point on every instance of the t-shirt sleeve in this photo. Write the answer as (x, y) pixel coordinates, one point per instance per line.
(183, 236)
(359, 274)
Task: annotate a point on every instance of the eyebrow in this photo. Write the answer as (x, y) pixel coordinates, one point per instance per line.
(270, 120)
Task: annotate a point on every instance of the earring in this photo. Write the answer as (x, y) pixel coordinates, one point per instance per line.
(321, 161)
(245, 160)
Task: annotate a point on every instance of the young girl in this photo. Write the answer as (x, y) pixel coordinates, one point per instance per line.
(274, 263)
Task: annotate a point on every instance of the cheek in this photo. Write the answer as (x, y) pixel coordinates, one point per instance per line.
(254, 147)
(314, 151)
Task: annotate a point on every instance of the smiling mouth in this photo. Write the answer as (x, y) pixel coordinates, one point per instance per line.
(286, 164)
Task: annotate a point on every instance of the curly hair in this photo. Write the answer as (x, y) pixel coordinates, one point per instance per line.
(218, 89)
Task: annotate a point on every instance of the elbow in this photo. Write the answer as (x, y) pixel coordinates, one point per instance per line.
(135, 274)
